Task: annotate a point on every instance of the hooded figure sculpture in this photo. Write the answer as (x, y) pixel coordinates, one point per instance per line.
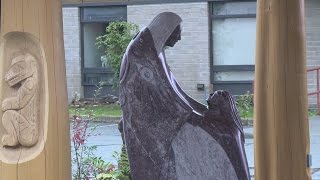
(168, 135)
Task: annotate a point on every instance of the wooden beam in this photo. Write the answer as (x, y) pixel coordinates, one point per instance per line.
(34, 126)
(281, 118)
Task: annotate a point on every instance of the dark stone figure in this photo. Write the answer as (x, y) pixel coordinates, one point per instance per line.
(168, 135)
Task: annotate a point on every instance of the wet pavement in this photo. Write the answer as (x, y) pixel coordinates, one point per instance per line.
(315, 146)
(108, 140)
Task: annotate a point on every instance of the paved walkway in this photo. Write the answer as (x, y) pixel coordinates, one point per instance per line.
(315, 146)
(109, 140)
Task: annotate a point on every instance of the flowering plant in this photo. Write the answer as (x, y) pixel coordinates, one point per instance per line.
(82, 152)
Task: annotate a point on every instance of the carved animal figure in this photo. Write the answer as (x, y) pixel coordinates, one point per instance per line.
(20, 117)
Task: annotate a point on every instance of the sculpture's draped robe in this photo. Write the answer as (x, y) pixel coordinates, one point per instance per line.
(169, 135)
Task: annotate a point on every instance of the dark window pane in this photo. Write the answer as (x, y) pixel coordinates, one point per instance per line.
(234, 8)
(111, 13)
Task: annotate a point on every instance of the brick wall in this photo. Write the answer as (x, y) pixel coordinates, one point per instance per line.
(189, 58)
(312, 20)
(71, 28)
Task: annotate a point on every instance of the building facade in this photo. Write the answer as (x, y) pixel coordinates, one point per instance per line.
(217, 49)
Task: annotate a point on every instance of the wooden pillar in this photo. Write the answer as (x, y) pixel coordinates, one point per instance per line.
(34, 126)
(281, 118)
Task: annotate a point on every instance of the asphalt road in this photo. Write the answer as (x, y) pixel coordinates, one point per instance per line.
(108, 140)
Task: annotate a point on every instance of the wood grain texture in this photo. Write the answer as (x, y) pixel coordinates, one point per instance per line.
(281, 119)
(42, 19)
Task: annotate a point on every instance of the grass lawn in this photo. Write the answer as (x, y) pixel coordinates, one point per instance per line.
(249, 114)
(114, 110)
(107, 110)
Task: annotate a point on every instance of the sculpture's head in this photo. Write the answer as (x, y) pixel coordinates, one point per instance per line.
(174, 37)
(220, 100)
(22, 67)
(165, 30)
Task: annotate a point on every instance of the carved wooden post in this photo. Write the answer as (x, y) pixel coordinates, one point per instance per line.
(281, 119)
(34, 126)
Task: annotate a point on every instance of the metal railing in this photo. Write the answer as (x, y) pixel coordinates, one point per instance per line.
(317, 92)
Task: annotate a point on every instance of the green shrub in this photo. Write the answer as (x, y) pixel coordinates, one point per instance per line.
(123, 162)
(108, 171)
(245, 105)
(114, 43)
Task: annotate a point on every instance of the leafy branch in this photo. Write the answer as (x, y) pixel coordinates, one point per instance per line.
(114, 43)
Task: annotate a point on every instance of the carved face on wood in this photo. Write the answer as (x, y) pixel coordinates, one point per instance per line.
(22, 67)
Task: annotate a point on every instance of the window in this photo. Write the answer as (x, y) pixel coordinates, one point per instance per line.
(233, 45)
(91, 54)
(94, 21)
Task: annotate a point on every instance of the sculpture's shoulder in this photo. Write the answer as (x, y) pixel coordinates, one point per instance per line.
(141, 44)
(140, 47)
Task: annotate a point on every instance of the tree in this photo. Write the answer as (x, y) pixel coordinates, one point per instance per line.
(114, 43)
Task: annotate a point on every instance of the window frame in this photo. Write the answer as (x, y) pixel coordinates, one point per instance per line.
(235, 87)
(98, 70)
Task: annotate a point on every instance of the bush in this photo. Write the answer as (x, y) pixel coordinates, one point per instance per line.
(245, 105)
(114, 43)
(81, 152)
(108, 171)
(85, 164)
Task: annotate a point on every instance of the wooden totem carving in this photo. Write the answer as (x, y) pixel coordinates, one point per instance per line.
(34, 126)
(23, 97)
(21, 112)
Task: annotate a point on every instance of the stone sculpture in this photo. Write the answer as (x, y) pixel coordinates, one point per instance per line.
(169, 135)
(20, 117)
